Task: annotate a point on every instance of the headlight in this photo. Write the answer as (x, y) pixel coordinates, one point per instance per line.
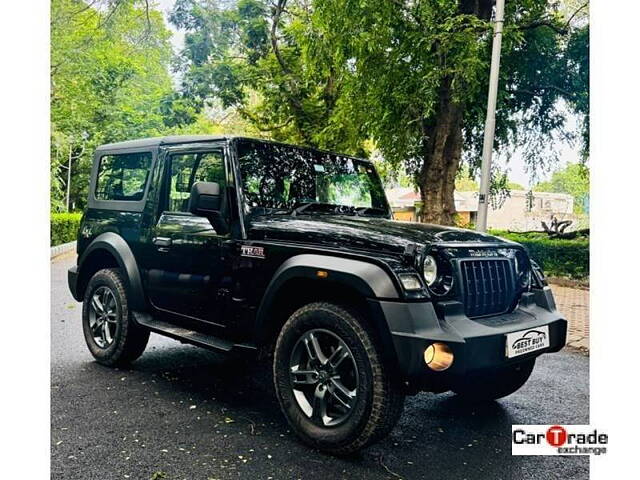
(429, 270)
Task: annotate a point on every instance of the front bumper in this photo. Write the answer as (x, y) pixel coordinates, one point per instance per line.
(477, 344)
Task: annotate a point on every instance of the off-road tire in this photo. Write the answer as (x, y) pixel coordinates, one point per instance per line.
(379, 402)
(130, 339)
(488, 385)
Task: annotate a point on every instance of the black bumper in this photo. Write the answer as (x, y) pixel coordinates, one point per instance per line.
(477, 344)
(72, 279)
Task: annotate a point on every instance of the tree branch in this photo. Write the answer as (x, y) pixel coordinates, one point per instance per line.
(548, 22)
(537, 91)
(274, 32)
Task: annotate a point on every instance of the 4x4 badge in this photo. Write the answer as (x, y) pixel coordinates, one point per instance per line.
(251, 251)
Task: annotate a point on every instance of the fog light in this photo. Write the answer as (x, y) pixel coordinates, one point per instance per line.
(438, 356)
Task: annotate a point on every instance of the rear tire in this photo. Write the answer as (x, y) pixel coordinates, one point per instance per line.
(492, 384)
(113, 338)
(358, 401)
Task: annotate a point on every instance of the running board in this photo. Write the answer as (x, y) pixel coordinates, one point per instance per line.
(192, 337)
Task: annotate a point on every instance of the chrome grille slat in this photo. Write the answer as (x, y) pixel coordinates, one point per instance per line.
(489, 286)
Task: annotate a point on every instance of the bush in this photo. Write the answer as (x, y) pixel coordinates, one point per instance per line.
(557, 257)
(64, 227)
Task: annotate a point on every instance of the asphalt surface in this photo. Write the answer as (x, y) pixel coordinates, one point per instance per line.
(184, 413)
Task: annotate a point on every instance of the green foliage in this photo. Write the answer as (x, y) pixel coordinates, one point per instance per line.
(557, 257)
(255, 56)
(465, 182)
(397, 57)
(64, 227)
(514, 186)
(411, 75)
(109, 82)
(573, 179)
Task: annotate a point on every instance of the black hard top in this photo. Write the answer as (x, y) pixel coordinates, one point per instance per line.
(182, 139)
(156, 141)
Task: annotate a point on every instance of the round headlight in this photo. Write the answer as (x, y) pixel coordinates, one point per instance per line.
(429, 270)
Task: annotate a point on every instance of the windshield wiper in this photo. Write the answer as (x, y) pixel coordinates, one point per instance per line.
(324, 208)
(311, 206)
(370, 212)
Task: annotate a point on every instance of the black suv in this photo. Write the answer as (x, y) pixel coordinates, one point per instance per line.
(259, 248)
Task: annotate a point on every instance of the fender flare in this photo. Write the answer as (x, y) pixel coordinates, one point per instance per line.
(368, 279)
(120, 250)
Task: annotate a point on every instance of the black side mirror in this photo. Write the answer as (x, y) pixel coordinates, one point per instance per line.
(207, 201)
(205, 198)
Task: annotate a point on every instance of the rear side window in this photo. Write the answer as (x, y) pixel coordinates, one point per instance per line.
(123, 177)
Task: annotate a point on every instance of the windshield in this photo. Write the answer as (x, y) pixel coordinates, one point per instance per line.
(282, 179)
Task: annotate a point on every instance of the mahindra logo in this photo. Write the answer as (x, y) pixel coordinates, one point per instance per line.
(482, 253)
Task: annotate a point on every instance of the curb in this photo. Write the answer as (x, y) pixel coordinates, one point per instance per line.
(58, 250)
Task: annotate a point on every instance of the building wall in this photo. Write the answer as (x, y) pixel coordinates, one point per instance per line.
(514, 214)
(407, 214)
(518, 213)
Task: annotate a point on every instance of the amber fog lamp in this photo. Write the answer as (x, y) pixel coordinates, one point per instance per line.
(438, 356)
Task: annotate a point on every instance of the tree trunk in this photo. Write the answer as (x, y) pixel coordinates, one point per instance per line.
(442, 150)
(442, 142)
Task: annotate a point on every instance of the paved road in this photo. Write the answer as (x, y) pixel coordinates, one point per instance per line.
(185, 413)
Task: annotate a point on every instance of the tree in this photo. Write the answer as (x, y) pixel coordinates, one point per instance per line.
(573, 180)
(250, 56)
(415, 76)
(109, 81)
(412, 75)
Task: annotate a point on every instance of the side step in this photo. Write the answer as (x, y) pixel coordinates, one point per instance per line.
(189, 336)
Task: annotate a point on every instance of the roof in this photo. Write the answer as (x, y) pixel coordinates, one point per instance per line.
(181, 139)
(155, 141)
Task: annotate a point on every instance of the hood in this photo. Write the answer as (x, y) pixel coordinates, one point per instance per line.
(364, 233)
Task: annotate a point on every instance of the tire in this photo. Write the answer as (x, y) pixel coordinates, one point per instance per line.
(374, 401)
(111, 335)
(495, 383)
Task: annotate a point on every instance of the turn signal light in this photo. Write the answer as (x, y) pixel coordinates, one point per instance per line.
(438, 356)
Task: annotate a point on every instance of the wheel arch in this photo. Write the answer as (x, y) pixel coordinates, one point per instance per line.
(351, 283)
(110, 250)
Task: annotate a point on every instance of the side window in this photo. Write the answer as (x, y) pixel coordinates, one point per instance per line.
(123, 177)
(188, 168)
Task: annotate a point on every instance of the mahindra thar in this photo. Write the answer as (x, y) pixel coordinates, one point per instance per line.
(258, 248)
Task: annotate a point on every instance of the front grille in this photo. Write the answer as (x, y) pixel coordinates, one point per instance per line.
(488, 286)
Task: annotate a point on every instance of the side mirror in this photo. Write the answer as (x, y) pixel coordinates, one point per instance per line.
(207, 201)
(205, 198)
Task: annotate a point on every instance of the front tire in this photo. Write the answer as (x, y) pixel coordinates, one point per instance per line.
(111, 335)
(493, 384)
(333, 387)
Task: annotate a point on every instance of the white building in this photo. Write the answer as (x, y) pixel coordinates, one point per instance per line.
(521, 211)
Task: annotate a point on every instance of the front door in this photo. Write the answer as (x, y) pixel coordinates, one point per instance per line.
(188, 276)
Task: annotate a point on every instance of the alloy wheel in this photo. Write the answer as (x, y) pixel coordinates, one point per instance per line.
(324, 377)
(103, 316)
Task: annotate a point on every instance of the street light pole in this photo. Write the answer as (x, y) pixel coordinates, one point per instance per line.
(490, 122)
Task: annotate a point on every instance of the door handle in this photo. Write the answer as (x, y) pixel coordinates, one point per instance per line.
(162, 242)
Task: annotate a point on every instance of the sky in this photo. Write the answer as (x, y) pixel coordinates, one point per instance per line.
(515, 164)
